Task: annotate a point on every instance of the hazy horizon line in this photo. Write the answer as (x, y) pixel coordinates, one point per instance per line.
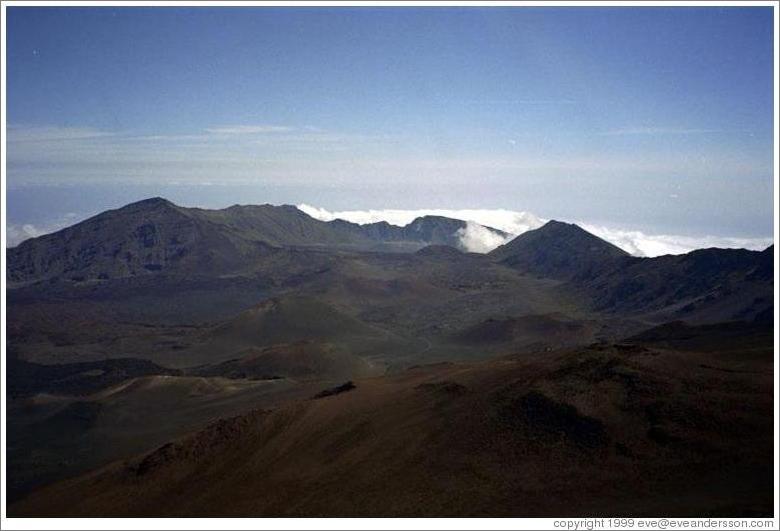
(474, 238)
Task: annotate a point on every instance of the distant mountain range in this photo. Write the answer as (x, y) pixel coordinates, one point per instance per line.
(708, 284)
(156, 235)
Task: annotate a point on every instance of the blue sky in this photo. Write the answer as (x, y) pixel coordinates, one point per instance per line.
(654, 118)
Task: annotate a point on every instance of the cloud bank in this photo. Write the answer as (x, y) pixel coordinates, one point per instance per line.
(476, 238)
(639, 243)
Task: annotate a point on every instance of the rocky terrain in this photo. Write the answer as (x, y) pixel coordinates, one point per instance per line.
(605, 430)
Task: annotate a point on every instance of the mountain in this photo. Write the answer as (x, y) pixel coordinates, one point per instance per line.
(145, 237)
(429, 230)
(286, 225)
(280, 226)
(433, 230)
(154, 235)
(558, 250)
(733, 336)
(706, 285)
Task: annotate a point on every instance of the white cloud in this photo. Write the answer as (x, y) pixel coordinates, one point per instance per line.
(248, 129)
(516, 102)
(477, 239)
(52, 133)
(17, 233)
(659, 131)
(306, 156)
(639, 243)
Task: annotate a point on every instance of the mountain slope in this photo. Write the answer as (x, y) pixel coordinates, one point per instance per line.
(286, 225)
(558, 250)
(618, 430)
(285, 320)
(528, 330)
(141, 238)
(154, 236)
(424, 230)
(305, 359)
(706, 285)
(280, 226)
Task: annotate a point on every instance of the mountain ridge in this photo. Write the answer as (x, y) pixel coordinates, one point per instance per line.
(154, 235)
(558, 250)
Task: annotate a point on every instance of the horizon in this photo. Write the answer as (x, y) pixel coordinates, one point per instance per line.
(476, 239)
(571, 113)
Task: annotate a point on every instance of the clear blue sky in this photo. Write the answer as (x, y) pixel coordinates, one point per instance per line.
(653, 118)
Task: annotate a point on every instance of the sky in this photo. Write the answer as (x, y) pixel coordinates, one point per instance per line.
(651, 121)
